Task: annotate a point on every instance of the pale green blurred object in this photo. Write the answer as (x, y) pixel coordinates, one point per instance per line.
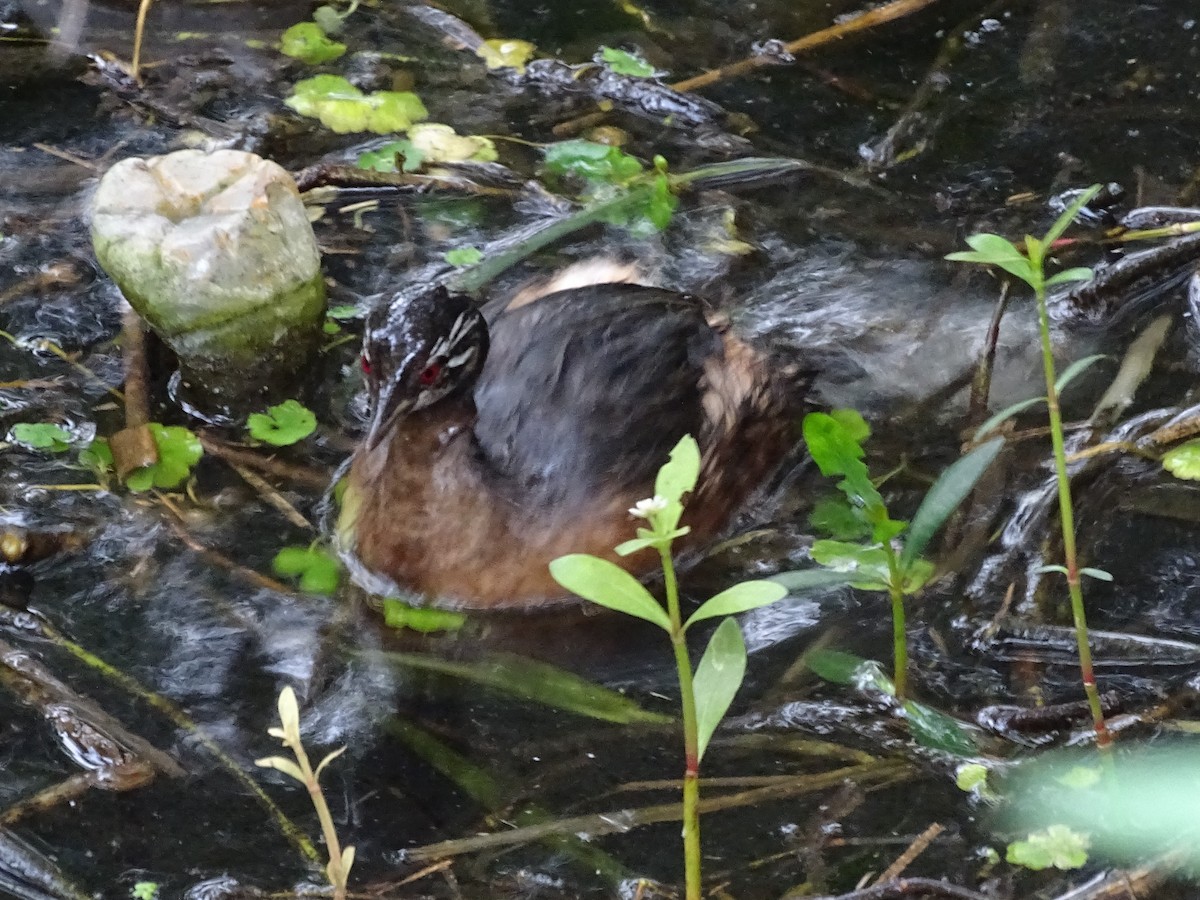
(216, 253)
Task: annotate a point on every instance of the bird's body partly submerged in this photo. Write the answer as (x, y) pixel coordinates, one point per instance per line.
(494, 450)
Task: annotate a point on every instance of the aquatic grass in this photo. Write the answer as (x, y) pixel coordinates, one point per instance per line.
(707, 690)
(1029, 265)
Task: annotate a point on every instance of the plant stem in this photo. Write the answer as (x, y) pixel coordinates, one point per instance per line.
(336, 876)
(1067, 518)
(899, 627)
(691, 734)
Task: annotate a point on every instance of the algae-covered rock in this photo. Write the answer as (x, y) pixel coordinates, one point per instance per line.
(215, 251)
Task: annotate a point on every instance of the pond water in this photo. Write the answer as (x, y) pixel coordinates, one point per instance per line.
(960, 117)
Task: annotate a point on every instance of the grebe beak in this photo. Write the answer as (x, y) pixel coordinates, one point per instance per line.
(387, 412)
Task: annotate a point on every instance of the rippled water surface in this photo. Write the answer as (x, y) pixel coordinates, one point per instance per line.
(144, 624)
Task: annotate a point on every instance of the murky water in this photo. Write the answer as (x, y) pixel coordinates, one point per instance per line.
(1027, 98)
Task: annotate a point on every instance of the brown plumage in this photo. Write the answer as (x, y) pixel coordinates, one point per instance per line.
(483, 463)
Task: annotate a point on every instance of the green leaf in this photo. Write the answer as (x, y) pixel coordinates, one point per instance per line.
(852, 421)
(648, 210)
(641, 543)
(41, 436)
(678, 475)
(307, 42)
(624, 63)
(607, 584)
(835, 517)
(328, 19)
(343, 313)
(994, 250)
(591, 162)
(144, 890)
(1054, 847)
(1046, 570)
(97, 456)
(739, 598)
(808, 579)
(943, 498)
(1184, 461)
(384, 159)
(318, 570)
(463, 256)
(836, 666)
(1098, 574)
(1004, 415)
(1074, 369)
(1079, 273)
(971, 777)
(938, 731)
(343, 108)
(400, 615)
(536, 681)
(506, 53)
(178, 450)
(438, 143)
(718, 677)
(837, 451)
(867, 565)
(283, 424)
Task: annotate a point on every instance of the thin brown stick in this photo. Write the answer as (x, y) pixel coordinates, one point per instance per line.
(272, 497)
(303, 475)
(137, 370)
(871, 19)
(220, 559)
(918, 846)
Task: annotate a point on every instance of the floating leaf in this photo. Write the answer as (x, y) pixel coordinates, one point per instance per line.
(463, 256)
(943, 498)
(318, 570)
(399, 615)
(591, 162)
(741, 597)
(41, 436)
(648, 211)
(308, 43)
(938, 731)
(385, 158)
(971, 777)
(439, 143)
(283, 424)
(98, 456)
(178, 450)
(1184, 461)
(343, 108)
(1054, 847)
(717, 679)
(504, 53)
(625, 63)
(607, 584)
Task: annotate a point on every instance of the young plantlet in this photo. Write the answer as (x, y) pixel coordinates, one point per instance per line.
(340, 860)
(1029, 265)
(706, 693)
(879, 560)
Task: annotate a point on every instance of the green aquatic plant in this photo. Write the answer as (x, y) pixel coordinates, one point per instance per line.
(281, 425)
(316, 570)
(340, 859)
(877, 552)
(706, 691)
(1029, 265)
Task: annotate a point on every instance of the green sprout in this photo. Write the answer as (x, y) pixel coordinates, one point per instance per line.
(707, 691)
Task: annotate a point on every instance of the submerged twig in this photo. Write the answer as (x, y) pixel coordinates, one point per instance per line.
(870, 19)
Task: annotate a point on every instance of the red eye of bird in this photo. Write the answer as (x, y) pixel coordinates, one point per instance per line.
(365, 363)
(431, 373)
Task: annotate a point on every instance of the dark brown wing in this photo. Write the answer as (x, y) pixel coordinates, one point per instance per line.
(585, 391)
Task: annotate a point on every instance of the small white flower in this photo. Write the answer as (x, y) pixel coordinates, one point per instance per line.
(644, 509)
